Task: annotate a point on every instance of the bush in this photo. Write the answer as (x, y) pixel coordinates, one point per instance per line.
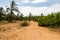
(40, 23)
(51, 20)
(24, 23)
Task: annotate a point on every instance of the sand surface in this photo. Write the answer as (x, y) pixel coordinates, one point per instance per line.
(31, 32)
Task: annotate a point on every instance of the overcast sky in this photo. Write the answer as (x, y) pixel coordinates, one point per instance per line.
(36, 7)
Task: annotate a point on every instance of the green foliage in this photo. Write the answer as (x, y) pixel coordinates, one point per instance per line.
(36, 18)
(51, 20)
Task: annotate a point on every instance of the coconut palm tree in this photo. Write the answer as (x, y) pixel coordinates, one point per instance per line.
(11, 10)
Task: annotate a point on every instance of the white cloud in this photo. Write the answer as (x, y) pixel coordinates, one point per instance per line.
(39, 1)
(39, 10)
(25, 1)
(34, 1)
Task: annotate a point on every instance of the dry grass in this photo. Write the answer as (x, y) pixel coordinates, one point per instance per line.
(31, 32)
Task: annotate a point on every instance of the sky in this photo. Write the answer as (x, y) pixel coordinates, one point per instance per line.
(36, 7)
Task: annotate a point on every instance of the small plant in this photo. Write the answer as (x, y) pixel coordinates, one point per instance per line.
(24, 23)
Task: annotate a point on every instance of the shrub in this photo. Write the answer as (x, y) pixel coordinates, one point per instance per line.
(40, 23)
(51, 20)
(24, 23)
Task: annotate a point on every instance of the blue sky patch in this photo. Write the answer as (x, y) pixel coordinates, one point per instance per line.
(21, 3)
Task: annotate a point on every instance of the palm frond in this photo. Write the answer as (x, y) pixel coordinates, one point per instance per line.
(7, 9)
(16, 9)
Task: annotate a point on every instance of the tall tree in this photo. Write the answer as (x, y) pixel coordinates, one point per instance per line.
(11, 10)
(1, 13)
(30, 16)
(42, 15)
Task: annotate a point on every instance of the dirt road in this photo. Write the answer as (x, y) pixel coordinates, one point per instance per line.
(32, 32)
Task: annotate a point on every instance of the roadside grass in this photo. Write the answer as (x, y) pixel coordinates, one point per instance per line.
(54, 29)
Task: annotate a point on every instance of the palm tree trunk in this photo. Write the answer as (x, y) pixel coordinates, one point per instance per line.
(11, 19)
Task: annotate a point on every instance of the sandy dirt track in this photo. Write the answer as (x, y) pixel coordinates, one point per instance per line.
(32, 32)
